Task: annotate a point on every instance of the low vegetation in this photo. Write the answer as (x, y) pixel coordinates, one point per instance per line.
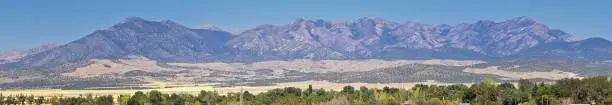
(594, 90)
(125, 72)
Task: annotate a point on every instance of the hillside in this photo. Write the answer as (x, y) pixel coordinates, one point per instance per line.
(364, 38)
(368, 49)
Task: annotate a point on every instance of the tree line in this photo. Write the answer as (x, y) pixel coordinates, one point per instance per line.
(594, 90)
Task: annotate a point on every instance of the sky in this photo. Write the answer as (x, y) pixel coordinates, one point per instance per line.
(28, 23)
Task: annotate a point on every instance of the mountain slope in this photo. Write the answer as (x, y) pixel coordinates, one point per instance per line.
(164, 41)
(364, 38)
(15, 55)
(588, 49)
(375, 38)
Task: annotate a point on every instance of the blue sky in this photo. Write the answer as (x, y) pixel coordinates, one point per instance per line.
(29, 23)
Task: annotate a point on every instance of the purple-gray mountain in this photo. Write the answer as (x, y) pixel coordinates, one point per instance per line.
(365, 38)
(14, 55)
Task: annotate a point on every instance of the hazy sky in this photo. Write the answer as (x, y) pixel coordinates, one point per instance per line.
(28, 23)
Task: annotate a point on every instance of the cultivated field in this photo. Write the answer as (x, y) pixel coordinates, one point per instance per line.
(196, 88)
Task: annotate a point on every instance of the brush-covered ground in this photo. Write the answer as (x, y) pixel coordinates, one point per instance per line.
(120, 76)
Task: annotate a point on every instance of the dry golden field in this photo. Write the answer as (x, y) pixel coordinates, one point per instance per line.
(196, 88)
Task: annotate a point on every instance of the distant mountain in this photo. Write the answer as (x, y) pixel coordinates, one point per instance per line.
(15, 55)
(365, 38)
(164, 41)
(588, 49)
(10, 56)
(217, 28)
(378, 38)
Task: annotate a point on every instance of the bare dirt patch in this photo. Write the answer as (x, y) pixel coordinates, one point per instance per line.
(99, 67)
(552, 75)
(103, 67)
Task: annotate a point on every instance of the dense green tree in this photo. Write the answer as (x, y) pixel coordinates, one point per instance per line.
(74, 101)
(568, 87)
(320, 95)
(457, 92)
(525, 85)
(363, 89)
(2, 102)
(348, 89)
(506, 85)
(288, 100)
(208, 98)
(139, 98)
(104, 100)
(432, 101)
(384, 98)
(30, 99)
(21, 99)
(123, 99)
(176, 99)
(10, 100)
(596, 88)
(293, 91)
(510, 96)
(387, 89)
(88, 100)
(183, 99)
(483, 93)
(156, 97)
(248, 96)
(309, 90)
(54, 100)
(39, 101)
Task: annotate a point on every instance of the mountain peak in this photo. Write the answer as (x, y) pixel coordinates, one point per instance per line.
(168, 22)
(595, 42)
(209, 27)
(523, 20)
(142, 25)
(370, 18)
(598, 40)
(299, 21)
(133, 18)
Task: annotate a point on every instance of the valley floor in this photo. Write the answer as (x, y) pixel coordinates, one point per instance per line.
(193, 88)
(126, 76)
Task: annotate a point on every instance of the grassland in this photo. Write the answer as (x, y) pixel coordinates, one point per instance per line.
(192, 88)
(125, 76)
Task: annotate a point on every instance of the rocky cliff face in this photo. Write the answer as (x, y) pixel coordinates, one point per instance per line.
(163, 40)
(369, 37)
(364, 38)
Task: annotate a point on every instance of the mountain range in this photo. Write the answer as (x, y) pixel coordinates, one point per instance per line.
(15, 55)
(364, 38)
